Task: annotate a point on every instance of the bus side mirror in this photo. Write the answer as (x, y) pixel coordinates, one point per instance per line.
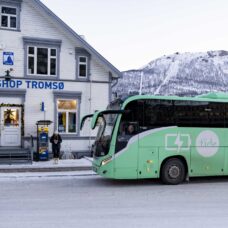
(84, 119)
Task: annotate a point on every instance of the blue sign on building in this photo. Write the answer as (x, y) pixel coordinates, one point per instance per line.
(32, 84)
(8, 58)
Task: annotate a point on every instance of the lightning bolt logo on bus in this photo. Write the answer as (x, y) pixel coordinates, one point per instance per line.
(177, 142)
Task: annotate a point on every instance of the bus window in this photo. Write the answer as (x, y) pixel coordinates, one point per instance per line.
(101, 145)
(158, 113)
(226, 114)
(216, 115)
(128, 124)
(146, 114)
(127, 131)
(199, 114)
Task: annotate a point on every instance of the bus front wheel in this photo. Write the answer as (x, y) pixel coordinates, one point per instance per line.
(173, 171)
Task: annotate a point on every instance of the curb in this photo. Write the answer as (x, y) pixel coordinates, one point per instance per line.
(45, 169)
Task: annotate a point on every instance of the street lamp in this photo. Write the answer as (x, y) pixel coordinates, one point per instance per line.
(8, 76)
(141, 82)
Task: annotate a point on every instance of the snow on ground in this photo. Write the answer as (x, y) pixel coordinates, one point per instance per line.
(45, 164)
(28, 176)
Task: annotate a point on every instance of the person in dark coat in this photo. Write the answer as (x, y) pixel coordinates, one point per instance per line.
(56, 141)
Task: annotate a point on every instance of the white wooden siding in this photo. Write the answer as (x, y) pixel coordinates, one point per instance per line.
(95, 96)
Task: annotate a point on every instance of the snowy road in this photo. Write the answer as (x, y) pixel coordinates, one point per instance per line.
(91, 201)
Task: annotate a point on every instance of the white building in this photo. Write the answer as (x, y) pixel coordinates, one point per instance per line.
(52, 64)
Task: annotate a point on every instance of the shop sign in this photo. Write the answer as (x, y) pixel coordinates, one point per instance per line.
(31, 84)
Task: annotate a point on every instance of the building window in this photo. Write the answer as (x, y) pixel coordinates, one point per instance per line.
(42, 61)
(42, 57)
(67, 115)
(11, 117)
(10, 14)
(8, 17)
(82, 67)
(83, 58)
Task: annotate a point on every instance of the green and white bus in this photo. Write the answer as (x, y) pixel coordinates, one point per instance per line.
(173, 138)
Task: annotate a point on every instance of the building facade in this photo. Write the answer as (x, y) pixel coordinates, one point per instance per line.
(48, 72)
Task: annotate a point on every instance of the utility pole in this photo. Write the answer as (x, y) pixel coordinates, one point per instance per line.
(141, 82)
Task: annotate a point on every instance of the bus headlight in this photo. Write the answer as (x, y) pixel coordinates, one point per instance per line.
(106, 161)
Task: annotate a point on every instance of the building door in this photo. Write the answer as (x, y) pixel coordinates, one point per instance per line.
(10, 126)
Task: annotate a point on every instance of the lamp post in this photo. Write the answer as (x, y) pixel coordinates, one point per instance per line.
(8, 77)
(141, 82)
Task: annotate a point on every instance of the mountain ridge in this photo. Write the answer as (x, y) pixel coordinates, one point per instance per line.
(181, 74)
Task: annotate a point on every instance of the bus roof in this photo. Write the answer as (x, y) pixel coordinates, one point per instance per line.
(212, 97)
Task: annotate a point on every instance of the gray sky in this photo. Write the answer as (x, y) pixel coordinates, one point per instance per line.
(131, 33)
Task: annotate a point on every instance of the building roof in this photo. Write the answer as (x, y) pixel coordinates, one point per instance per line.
(115, 72)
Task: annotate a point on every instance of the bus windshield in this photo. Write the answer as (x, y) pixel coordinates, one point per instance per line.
(106, 123)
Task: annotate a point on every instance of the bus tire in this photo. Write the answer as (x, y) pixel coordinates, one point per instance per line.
(173, 171)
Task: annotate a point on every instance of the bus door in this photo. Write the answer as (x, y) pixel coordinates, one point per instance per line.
(126, 152)
(127, 141)
(148, 160)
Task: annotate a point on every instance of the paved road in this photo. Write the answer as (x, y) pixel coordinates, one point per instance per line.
(91, 201)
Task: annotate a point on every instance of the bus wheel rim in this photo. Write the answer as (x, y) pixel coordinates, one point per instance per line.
(174, 172)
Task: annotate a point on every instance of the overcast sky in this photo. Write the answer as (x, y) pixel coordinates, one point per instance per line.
(131, 33)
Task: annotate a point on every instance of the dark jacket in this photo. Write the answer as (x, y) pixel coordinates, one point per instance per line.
(59, 140)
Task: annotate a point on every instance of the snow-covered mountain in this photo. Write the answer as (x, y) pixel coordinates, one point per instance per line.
(186, 74)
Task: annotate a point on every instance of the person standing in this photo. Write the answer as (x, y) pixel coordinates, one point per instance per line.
(56, 141)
